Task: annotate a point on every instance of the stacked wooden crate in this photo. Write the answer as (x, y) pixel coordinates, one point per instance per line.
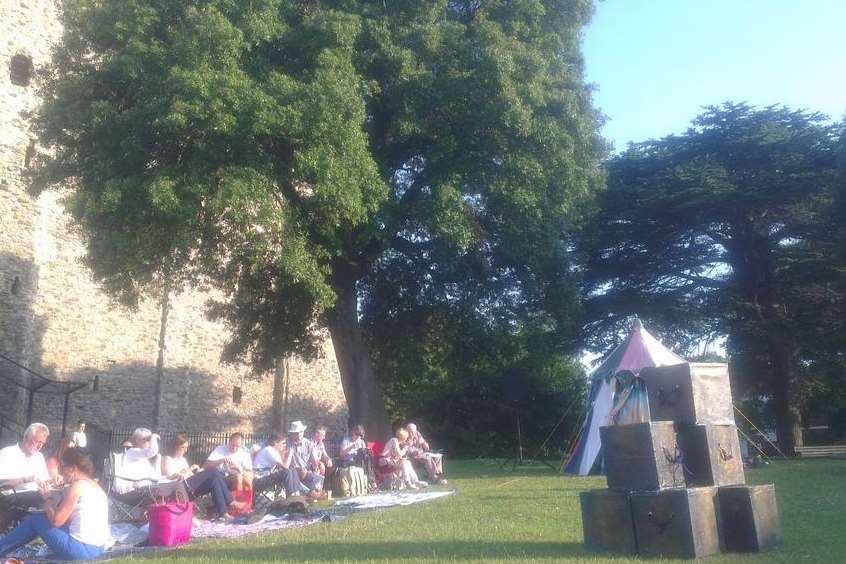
(676, 486)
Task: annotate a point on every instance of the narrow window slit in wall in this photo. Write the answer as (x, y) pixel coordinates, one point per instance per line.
(20, 69)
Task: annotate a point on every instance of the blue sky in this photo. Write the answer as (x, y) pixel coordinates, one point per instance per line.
(655, 63)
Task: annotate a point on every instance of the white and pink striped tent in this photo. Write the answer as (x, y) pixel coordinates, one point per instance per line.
(638, 351)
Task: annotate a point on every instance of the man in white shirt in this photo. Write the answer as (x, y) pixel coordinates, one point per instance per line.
(273, 466)
(140, 465)
(234, 461)
(22, 471)
(270, 457)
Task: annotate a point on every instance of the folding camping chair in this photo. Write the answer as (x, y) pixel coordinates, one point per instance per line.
(128, 497)
(266, 492)
(14, 511)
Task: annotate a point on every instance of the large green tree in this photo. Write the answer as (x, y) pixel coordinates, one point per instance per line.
(281, 149)
(468, 380)
(727, 230)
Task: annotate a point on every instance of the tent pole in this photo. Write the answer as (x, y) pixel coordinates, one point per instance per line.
(519, 458)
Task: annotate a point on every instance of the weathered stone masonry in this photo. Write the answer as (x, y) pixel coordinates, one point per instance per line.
(54, 319)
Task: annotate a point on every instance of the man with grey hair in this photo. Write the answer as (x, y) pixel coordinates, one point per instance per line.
(421, 454)
(141, 464)
(301, 451)
(321, 461)
(22, 472)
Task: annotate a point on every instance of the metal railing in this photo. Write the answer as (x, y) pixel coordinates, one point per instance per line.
(35, 383)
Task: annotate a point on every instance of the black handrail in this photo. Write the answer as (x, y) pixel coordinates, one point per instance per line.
(68, 386)
(40, 384)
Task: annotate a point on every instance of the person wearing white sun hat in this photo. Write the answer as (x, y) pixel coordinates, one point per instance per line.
(303, 458)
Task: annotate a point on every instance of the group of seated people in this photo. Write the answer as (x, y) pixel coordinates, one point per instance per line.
(74, 521)
(405, 450)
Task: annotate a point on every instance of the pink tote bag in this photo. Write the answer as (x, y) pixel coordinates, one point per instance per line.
(170, 523)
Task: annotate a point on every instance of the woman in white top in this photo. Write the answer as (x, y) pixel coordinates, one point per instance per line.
(76, 525)
(394, 458)
(199, 482)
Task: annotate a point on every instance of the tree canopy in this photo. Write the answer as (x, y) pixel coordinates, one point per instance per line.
(727, 229)
(469, 380)
(292, 152)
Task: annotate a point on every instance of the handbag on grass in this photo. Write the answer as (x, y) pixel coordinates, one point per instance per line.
(170, 522)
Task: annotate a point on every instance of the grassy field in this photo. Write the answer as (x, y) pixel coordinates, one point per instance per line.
(531, 515)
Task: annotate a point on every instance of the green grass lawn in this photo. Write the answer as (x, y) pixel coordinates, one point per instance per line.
(531, 515)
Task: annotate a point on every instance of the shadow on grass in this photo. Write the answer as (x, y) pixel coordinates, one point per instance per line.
(388, 551)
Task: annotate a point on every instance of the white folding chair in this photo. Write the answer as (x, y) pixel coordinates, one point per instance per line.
(128, 497)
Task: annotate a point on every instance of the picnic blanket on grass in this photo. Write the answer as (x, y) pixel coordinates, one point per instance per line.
(389, 499)
(209, 530)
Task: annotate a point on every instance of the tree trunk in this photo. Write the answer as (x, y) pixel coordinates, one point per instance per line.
(157, 392)
(784, 360)
(765, 311)
(364, 398)
(280, 396)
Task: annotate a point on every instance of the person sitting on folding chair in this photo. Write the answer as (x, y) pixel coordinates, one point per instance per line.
(303, 460)
(322, 462)
(273, 467)
(199, 482)
(22, 471)
(234, 461)
(420, 453)
(134, 476)
(141, 461)
(394, 459)
(74, 525)
(354, 452)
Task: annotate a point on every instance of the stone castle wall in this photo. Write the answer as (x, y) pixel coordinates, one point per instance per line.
(55, 320)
